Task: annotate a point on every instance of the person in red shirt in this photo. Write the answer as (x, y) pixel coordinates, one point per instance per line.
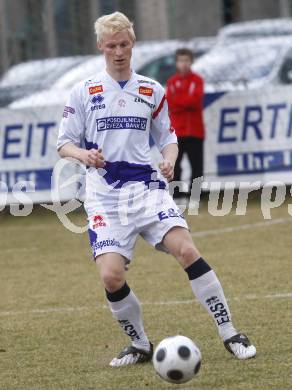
(184, 93)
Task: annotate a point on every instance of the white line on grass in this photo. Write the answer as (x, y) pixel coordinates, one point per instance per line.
(204, 233)
(19, 250)
(247, 226)
(50, 310)
(25, 228)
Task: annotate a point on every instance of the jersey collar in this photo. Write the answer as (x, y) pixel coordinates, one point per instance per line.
(116, 84)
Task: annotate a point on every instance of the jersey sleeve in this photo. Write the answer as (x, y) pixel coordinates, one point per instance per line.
(72, 125)
(161, 130)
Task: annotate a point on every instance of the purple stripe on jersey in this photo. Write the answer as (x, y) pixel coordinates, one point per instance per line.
(124, 172)
(90, 145)
(92, 236)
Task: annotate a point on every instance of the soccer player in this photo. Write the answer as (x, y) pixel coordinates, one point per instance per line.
(106, 126)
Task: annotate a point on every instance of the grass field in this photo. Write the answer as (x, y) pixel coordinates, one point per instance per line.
(57, 333)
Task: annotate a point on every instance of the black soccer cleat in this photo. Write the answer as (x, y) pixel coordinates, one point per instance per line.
(132, 355)
(240, 346)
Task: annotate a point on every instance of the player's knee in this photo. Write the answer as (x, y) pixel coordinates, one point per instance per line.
(188, 254)
(112, 281)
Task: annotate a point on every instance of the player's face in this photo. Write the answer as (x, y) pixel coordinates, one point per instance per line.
(183, 64)
(117, 49)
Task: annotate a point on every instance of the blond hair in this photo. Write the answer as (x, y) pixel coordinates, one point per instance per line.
(113, 23)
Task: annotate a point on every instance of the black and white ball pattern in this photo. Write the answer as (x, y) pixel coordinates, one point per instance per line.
(177, 359)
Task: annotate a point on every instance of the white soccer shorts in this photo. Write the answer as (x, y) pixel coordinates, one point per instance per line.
(117, 229)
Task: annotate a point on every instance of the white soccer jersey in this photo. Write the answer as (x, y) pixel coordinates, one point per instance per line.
(102, 114)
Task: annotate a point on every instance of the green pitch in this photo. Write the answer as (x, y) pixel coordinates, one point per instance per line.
(56, 332)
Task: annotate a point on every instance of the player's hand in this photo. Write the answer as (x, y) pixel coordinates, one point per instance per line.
(94, 158)
(167, 169)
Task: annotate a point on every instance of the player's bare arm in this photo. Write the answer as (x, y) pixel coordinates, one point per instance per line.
(169, 154)
(91, 158)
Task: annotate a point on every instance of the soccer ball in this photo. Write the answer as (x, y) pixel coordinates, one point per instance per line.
(177, 359)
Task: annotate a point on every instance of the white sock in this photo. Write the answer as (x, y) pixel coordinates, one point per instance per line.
(209, 292)
(126, 308)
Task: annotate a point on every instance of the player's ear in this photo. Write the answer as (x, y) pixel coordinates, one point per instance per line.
(99, 46)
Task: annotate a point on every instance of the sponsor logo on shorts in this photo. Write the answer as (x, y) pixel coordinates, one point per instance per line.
(99, 245)
(170, 213)
(146, 91)
(68, 110)
(98, 221)
(96, 89)
(140, 100)
(121, 123)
